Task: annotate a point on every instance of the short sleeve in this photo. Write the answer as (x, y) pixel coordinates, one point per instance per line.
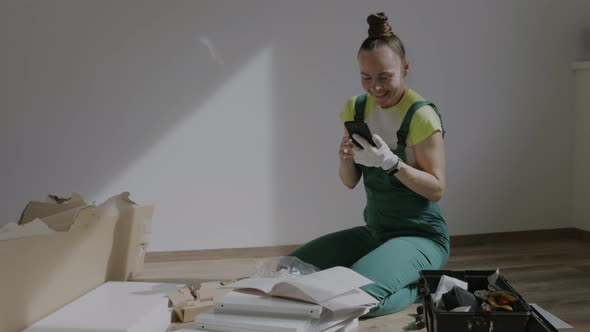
(424, 123)
(347, 113)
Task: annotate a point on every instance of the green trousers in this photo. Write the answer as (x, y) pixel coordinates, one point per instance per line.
(394, 264)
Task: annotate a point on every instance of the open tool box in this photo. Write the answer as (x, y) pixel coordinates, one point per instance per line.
(523, 318)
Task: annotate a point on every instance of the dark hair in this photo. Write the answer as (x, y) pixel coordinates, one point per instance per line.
(380, 34)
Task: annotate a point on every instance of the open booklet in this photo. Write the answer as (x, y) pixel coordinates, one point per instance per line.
(335, 288)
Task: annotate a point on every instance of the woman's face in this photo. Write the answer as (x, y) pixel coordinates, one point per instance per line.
(382, 75)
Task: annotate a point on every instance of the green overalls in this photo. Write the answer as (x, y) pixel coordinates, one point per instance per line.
(404, 233)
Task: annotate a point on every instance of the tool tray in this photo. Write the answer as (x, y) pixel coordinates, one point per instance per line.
(524, 318)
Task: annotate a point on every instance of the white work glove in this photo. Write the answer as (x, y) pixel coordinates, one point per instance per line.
(380, 156)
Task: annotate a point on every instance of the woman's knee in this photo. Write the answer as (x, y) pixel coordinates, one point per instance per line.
(394, 302)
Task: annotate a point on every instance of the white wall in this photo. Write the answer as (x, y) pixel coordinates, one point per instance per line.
(581, 214)
(582, 139)
(586, 32)
(225, 113)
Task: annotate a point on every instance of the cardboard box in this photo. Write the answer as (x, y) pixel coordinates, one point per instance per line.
(188, 302)
(92, 245)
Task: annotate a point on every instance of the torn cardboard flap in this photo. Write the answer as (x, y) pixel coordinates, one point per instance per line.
(188, 302)
(52, 206)
(77, 217)
(115, 203)
(61, 200)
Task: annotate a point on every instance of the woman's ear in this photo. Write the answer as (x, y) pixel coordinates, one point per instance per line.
(406, 68)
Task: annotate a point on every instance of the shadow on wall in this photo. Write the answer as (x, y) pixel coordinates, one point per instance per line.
(106, 81)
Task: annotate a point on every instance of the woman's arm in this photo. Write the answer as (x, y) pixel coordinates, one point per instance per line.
(349, 173)
(428, 178)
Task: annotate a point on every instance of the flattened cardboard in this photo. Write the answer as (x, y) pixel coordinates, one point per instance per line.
(62, 221)
(41, 274)
(187, 303)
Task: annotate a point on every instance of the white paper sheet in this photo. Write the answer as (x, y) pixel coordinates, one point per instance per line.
(556, 322)
(493, 278)
(445, 284)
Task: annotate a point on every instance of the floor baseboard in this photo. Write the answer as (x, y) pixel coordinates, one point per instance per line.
(519, 236)
(456, 241)
(212, 254)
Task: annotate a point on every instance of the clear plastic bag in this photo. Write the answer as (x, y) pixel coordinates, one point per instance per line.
(283, 266)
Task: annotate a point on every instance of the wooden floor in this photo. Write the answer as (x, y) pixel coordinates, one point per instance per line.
(554, 273)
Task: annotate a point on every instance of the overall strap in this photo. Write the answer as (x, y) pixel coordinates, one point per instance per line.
(404, 129)
(359, 107)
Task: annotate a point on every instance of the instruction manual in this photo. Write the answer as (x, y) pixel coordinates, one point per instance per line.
(335, 288)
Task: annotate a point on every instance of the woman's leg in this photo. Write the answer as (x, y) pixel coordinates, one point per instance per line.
(341, 248)
(395, 268)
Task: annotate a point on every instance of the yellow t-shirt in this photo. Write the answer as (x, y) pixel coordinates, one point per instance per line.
(386, 121)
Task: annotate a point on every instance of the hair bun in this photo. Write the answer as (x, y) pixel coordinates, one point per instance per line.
(379, 27)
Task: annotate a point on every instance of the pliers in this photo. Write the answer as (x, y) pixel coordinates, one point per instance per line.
(501, 299)
(498, 299)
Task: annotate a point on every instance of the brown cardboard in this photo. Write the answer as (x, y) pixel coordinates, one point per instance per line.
(131, 238)
(211, 291)
(40, 274)
(188, 303)
(53, 205)
(186, 306)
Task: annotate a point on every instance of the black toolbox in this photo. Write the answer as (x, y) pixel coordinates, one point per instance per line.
(524, 318)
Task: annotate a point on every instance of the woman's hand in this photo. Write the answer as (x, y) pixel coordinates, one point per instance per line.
(346, 148)
(350, 174)
(374, 156)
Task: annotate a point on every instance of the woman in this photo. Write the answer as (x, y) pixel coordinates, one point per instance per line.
(405, 231)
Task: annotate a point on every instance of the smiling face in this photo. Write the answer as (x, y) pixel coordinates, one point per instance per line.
(383, 75)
